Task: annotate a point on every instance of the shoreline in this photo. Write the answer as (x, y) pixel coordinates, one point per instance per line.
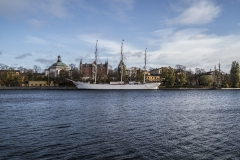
(38, 88)
(75, 88)
(199, 89)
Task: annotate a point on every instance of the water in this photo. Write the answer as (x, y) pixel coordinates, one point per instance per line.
(75, 124)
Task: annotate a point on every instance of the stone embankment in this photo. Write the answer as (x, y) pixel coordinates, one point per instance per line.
(74, 88)
(37, 88)
(199, 88)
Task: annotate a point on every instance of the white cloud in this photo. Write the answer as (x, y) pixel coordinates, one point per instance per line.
(198, 13)
(16, 8)
(238, 24)
(122, 4)
(163, 32)
(110, 49)
(36, 23)
(22, 56)
(118, 8)
(13, 7)
(196, 49)
(35, 40)
(57, 8)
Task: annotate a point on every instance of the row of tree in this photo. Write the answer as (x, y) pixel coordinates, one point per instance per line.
(180, 76)
(177, 76)
(235, 75)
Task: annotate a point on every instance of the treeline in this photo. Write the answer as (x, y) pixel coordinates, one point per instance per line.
(179, 76)
(235, 75)
(19, 76)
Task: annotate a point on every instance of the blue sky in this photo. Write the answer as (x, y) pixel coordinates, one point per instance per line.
(194, 33)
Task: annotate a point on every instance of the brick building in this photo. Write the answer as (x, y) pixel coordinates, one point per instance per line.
(86, 70)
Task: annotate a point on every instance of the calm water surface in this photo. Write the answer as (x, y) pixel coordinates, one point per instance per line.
(75, 124)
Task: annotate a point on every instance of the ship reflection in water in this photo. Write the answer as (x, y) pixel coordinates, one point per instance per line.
(94, 124)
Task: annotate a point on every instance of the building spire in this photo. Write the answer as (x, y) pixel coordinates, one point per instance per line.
(59, 59)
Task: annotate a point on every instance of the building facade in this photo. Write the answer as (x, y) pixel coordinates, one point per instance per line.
(153, 78)
(41, 83)
(87, 70)
(54, 70)
(156, 71)
(132, 72)
(154, 75)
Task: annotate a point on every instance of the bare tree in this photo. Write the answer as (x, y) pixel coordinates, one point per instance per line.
(3, 66)
(72, 66)
(36, 69)
(21, 69)
(199, 71)
(180, 68)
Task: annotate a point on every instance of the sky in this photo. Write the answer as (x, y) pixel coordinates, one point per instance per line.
(193, 33)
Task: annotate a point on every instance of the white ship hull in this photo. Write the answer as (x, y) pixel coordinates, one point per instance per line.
(81, 85)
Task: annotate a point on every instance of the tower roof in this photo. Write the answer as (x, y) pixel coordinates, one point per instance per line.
(59, 62)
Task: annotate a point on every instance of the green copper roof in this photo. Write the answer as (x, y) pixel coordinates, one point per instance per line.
(59, 63)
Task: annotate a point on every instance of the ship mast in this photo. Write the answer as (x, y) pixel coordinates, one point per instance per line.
(145, 59)
(95, 72)
(122, 61)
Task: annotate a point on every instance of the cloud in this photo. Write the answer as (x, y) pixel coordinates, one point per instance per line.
(238, 24)
(108, 46)
(163, 32)
(194, 48)
(56, 8)
(1, 53)
(36, 23)
(110, 49)
(77, 60)
(121, 4)
(118, 8)
(35, 40)
(23, 56)
(138, 54)
(13, 7)
(16, 8)
(45, 61)
(198, 13)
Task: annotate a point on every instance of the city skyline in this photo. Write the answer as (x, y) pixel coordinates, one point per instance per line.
(196, 34)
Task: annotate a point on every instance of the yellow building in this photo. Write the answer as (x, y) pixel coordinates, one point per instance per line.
(10, 77)
(40, 83)
(152, 78)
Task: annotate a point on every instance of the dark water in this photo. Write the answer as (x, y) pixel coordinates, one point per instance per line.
(49, 124)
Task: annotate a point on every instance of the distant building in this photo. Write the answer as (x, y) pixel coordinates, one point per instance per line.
(11, 72)
(54, 70)
(40, 83)
(153, 78)
(154, 75)
(9, 76)
(156, 71)
(86, 70)
(132, 72)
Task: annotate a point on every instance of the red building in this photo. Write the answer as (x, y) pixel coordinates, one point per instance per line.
(87, 70)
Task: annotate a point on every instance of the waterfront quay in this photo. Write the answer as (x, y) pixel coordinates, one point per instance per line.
(37, 88)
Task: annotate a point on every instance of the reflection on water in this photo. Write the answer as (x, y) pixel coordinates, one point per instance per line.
(38, 124)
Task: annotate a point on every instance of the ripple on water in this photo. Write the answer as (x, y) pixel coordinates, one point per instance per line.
(49, 124)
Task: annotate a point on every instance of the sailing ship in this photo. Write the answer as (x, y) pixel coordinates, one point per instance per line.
(118, 85)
